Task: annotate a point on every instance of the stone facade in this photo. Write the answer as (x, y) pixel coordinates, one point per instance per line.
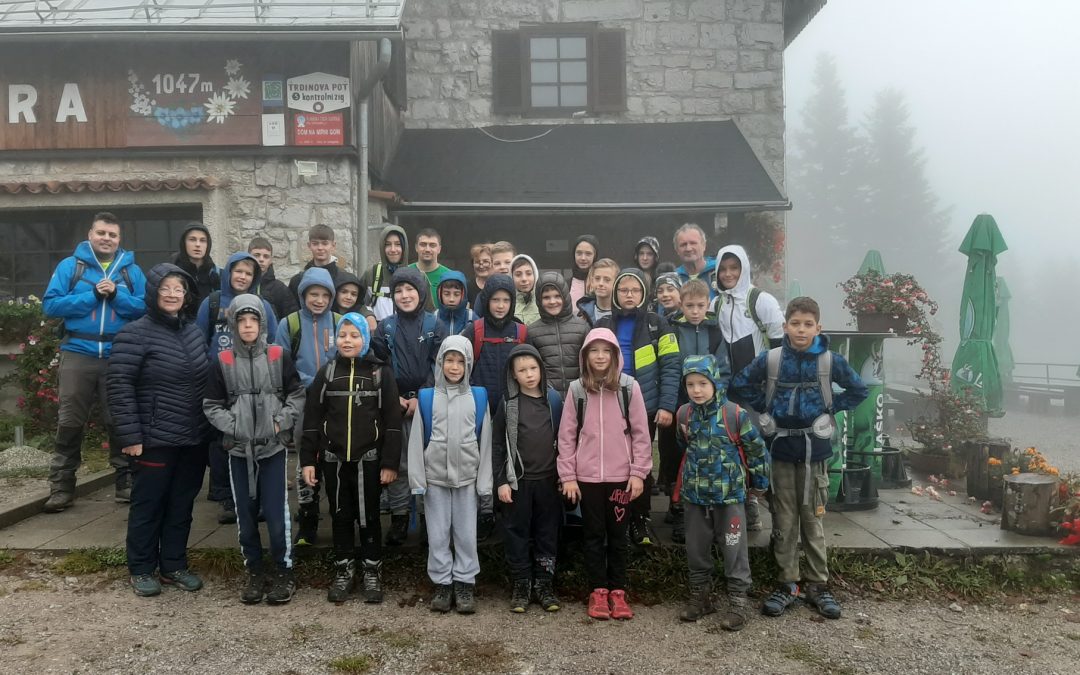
(687, 60)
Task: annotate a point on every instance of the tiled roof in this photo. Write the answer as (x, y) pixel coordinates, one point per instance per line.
(130, 185)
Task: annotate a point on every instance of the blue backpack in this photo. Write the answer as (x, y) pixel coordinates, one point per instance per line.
(426, 398)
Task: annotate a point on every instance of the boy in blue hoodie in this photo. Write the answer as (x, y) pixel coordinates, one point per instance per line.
(308, 336)
(241, 275)
(454, 314)
(792, 386)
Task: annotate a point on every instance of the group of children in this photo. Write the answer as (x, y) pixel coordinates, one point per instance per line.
(539, 403)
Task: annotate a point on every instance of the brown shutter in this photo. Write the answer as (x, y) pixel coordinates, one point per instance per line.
(395, 81)
(507, 92)
(609, 71)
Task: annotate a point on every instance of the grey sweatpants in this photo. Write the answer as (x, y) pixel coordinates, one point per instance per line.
(724, 524)
(450, 514)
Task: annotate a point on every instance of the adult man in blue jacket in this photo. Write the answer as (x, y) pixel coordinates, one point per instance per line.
(95, 291)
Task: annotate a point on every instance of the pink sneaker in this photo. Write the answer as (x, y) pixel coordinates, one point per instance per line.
(598, 604)
(619, 608)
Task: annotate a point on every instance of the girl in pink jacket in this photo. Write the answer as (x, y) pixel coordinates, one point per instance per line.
(605, 453)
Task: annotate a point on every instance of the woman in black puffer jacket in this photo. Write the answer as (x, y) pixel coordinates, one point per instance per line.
(157, 374)
(559, 333)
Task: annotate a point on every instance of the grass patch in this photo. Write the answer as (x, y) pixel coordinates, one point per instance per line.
(84, 561)
(6, 558)
(471, 656)
(26, 472)
(866, 633)
(216, 563)
(353, 665)
(399, 640)
(33, 585)
(302, 632)
(813, 656)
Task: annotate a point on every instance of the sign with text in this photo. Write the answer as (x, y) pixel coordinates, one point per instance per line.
(319, 130)
(318, 92)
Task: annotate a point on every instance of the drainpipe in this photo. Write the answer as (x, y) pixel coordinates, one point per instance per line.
(360, 131)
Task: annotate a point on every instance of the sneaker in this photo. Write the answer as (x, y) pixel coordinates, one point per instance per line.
(442, 598)
(145, 585)
(779, 600)
(58, 501)
(254, 589)
(372, 581)
(639, 531)
(464, 597)
(823, 601)
(228, 513)
(399, 530)
(184, 579)
(519, 596)
(599, 607)
(485, 526)
(619, 607)
(737, 613)
(753, 514)
(282, 588)
(342, 582)
(699, 604)
(544, 590)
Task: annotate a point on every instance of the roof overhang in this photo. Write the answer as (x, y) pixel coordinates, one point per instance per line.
(581, 168)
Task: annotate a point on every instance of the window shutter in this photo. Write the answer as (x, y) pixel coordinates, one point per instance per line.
(506, 80)
(394, 84)
(609, 71)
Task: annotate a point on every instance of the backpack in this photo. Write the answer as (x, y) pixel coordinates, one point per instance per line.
(227, 361)
(292, 322)
(375, 392)
(214, 315)
(80, 270)
(426, 399)
(824, 376)
(751, 306)
(376, 282)
(682, 425)
(626, 388)
(428, 330)
(479, 339)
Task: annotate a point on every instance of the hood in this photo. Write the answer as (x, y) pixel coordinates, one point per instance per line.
(532, 263)
(512, 387)
(595, 243)
(601, 335)
(85, 253)
(181, 251)
(651, 242)
(343, 278)
(416, 279)
(556, 281)
(742, 286)
(705, 364)
(497, 282)
(639, 276)
(819, 345)
(154, 278)
(361, 323)
(454, 275)
(454, 343)
(315, 276)
(394, 229)
(226, 289)
(248, 303)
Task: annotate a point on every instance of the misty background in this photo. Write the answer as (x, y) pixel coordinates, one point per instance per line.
(906, 119)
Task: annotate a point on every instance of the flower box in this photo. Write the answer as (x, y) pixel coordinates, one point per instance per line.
(983, 483)
(931, 463)
(878, 322)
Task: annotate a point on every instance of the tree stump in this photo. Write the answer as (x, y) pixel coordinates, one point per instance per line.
(1028, 500)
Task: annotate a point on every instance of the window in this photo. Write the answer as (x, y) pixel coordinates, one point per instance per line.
(558, 70)
(40, 239)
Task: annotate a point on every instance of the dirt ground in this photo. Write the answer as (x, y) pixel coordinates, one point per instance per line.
(94, 624)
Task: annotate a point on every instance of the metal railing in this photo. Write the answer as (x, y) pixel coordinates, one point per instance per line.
(1046, 375)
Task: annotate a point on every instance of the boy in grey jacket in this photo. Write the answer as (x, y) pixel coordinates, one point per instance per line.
(450, 464)
(253, 397)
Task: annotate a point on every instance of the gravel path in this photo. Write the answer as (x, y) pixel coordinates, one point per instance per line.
(95, 625)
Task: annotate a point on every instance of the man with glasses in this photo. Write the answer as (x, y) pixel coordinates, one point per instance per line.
(95, 291)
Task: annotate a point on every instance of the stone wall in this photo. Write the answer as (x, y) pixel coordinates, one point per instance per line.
(686, 60)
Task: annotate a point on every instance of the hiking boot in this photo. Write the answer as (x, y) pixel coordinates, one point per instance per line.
(639, 531)
(122, 493)
(441, 599)
(485, 526)
(699, 604)
(282, 588)
(307, 525)
(464, 597)
(519, 596)
(228, 513)
(145, 585)
(58, 501)
(342, 582)
(254, 589)
(399, 530)
(753, 514)
(823, 601)
(545, 594)
(184, 579)
(372, 581)
(737, 613)
(599, 607)
(619, 607)
(779, 600)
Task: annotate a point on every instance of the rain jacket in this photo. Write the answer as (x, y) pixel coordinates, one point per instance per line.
(714, 470)
(377, 279)
(558, 339)
(453, 321)
(579, 280)
(604, 452)
(256, 419)
(705, 275)
(488, 370)
(344, 278)
(508, 466)
(656, 359)
(318, 334)
(403, 341)
(704, 338)
(91, 322)
(207, 276)
(157, 375)
(454, 457)
(744, 339)
(216, 329)
(525, 305)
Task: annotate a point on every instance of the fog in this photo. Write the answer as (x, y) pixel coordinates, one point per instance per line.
(994, 95)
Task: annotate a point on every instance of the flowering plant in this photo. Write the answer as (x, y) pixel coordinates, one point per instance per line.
(764, 239)
(36, 364)
(898, 295)
(1028, 460)
(1067, 513)
(19, 317)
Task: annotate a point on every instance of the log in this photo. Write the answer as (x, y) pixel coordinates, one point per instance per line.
(1028, 500)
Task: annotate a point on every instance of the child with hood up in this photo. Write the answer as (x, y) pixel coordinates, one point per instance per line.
(586, 252)
(349, 296)
(525, 275)
(450, 464)
(394, 253)
(193, 257)
(454, 313)
(646, 258)
(559, 334)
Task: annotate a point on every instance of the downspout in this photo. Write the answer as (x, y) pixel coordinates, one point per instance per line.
(363, 91)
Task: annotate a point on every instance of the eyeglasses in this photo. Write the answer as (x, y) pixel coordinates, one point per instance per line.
(630, 291)
(174, 292)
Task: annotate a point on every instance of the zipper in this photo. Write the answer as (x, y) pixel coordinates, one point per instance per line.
(315, 344)
(601, 444)
(558, 341)
(104, 306)
(348, 415)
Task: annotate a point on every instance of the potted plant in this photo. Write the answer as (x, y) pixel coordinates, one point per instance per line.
(1014, 462)
(888, 303)
(953, 419)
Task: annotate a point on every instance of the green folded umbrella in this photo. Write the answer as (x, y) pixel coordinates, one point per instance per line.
(1002, 348)
(872, 263)
(975, 365)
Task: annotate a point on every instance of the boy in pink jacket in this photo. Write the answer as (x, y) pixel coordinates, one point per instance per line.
(605, 453)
